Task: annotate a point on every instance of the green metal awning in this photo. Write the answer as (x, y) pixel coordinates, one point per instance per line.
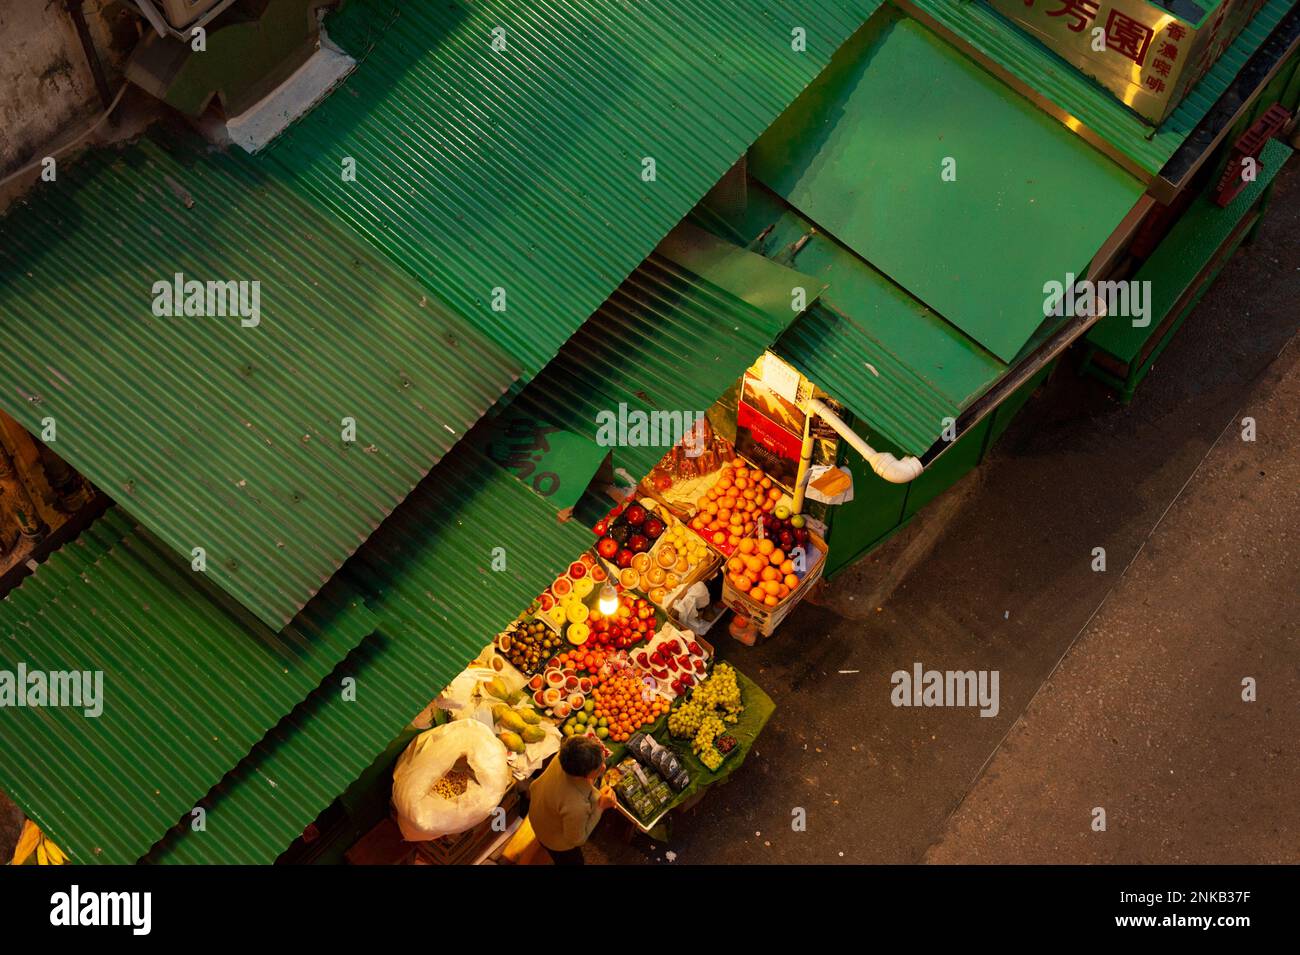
(479, 166)
(898, 366)
(427, 576)
(680, 331)
(1144, 148)
(211, 434)
(502, 145)
(862, 154)
(189, 684)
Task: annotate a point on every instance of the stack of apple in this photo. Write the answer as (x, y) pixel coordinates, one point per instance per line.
(626, 531)
(784, 529)
(675, 660)
(632, 622)
(730, 510)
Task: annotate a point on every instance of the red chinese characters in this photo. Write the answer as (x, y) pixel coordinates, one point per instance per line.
(1080, 12)
(1127, 36)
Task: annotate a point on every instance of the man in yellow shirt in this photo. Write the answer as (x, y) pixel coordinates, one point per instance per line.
(564, 805)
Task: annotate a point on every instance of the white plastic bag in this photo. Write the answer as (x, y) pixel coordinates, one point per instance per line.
(421, 813)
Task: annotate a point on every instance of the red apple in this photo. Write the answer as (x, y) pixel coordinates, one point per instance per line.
(607, 548)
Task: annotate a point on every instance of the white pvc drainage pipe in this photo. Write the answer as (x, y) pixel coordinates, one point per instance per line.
(882, 462)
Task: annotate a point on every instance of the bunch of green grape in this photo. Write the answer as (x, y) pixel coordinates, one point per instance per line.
(710, 727)
(684, 721)
(721, 692)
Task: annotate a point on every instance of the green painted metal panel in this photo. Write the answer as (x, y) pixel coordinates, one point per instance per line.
(947, 469)
(671, 339)
(1181, 256)
(876, 509)
(1006, 412)
(211, 434)
(870, 345)
(988, 33)
(521, 167)
(862, 151)
(190, 683)
(427, 575)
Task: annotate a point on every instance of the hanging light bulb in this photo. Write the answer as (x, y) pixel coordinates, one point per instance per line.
(608, 602)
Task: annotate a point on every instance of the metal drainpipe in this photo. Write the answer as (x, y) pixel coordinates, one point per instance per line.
(29, 520)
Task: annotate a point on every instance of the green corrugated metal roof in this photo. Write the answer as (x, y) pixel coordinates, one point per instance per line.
(476, 168)
(190, 684)
(1179, 259)
(1147, 148)
(426, 575)
(211, 434)
(521, 167)
(862, 153)
(672, 338)
(897, 365)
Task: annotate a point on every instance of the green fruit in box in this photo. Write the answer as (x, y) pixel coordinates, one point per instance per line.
(513, 741)
(534, 734)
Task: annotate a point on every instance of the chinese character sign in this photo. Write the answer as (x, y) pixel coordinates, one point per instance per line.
(1145, 55)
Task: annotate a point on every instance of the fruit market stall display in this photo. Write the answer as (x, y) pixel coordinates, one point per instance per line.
(765, 580)
(736, 703)
(629, 529)
(731, 509)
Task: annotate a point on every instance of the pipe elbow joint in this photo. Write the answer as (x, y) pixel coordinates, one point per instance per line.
(897, 471)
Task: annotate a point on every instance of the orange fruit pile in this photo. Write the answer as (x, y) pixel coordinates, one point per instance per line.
(763, 571)
(729, 511)
(621, 699)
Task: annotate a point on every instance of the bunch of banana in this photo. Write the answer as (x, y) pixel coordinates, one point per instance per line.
(32, 840)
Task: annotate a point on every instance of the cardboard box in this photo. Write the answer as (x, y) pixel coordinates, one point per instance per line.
(767, 619)
(1149, 54)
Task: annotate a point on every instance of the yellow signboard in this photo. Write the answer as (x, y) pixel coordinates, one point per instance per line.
(1148, 54)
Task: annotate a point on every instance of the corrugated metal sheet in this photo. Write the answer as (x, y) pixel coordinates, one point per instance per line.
(672, 338)
(215, 435)
(1031, 63)
(190, 684)
(863, 152)
(897, 365)
(521, 167)
(426, 574)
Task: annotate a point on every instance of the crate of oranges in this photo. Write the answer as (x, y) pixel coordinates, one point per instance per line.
(731, 509)
(764, 583)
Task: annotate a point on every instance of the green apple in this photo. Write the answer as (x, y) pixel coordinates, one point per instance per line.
(782, 512)
(798, 521)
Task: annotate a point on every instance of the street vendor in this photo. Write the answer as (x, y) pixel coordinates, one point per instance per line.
(564, 804)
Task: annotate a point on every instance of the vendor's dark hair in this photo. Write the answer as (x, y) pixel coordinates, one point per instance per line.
(579, 755)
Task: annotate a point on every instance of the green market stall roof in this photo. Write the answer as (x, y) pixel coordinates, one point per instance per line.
(867, 343)
(480, 165)
(189, 684)
(658, 353)
(505, 145)
(211, 433)
(428, 576)
(971, 218)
